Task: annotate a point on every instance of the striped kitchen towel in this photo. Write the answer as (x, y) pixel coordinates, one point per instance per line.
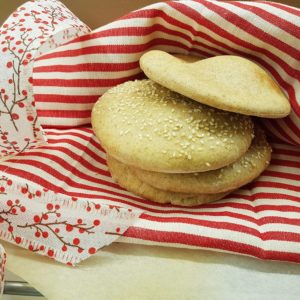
(261, 219)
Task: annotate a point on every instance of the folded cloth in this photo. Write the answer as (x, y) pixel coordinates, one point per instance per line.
(260, 219)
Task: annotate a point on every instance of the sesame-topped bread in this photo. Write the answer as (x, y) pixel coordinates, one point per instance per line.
(230, 177)
(227, 82)
(147, 126)
(127, 179)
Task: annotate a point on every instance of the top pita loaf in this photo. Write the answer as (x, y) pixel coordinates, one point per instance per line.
(227, 82)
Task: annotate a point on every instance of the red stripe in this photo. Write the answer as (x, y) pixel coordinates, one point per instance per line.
(208, 242)
(83, 114)
(84, 82)
(286, 152)
(276, 185)
(52, 98)
(88, 67)
(259, 222)
(275, 20)
(286, 163)
(281, 162)
(250, 28)
(221, 225)
(277, 174)
(292, 10)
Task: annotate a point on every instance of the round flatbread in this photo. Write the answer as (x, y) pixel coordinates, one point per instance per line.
(145, 125)
(123, 175)
(227, 82)
(228, 178)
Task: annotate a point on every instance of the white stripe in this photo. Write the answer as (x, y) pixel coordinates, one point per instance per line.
(83, 59)
(275, 203)
(275, 190)
(71, 91)
(285, 170)
(273, 179)
(286, 147)
(88, 74)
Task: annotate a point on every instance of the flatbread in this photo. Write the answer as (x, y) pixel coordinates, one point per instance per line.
(147, 126)
(226, 82)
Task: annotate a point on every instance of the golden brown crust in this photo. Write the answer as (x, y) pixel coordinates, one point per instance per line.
(227, 82)
(123, 175)
(230, 177)
(145, 125)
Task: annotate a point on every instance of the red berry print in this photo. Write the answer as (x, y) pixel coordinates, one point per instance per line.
(92, 250)
(18, 240)
(15, 116)
(49, 206)
(36, 219)
(50, 252)
(69, 228)
(97, 222)
(76, 241)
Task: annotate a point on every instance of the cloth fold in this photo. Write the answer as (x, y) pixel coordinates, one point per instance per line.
(260, 219)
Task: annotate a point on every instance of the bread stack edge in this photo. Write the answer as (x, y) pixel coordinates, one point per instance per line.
(185, 136)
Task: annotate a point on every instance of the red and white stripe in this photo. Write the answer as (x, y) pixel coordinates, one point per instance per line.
(261, 219)
(85, 68)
